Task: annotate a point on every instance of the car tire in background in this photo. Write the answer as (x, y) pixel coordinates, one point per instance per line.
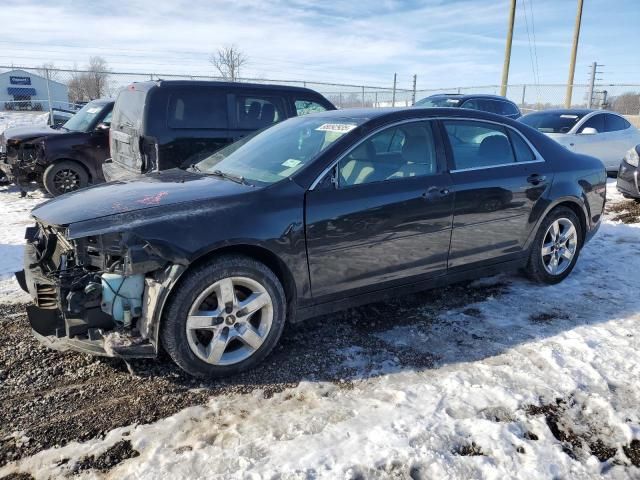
(224, 317)
(556, 247)
(64, 177)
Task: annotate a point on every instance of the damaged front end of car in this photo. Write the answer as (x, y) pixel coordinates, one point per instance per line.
(100, 294)
(23, 161)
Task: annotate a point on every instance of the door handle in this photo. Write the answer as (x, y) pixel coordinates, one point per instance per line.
(536, 179)
(435, 192)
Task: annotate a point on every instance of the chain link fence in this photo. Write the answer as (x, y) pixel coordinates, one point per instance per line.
(42, 89)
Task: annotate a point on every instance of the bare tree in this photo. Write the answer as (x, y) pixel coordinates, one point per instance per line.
(48, 68)
(228, 61)
(92, 83)
(627, 103)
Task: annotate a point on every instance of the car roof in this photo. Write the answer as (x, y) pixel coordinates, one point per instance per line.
(566, 111)
(466, 96)
(400, 113)
(144, 86)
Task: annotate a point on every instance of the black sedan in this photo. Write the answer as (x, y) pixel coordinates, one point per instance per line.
(312, 215)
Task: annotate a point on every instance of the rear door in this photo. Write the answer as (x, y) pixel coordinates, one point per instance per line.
(497, 179)
(126, 129)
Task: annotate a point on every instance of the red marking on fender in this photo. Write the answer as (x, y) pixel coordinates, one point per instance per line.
(153, 199)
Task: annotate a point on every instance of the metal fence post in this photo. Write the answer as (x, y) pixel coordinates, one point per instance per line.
(458, 89)
(393, 95)
(592, 81)
(524, 91)
(46, 71)
(375, 104)
(413, 93)
(340, 100)
(363, 105)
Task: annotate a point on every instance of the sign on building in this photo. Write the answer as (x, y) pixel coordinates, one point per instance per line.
(14, 80)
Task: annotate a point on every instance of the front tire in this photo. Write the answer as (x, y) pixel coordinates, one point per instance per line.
(556, 247)
(64, 177)
(224, 318)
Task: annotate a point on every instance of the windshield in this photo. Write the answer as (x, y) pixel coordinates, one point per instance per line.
(81, 121)
(548, 122)
(438, 102)
(279, 151)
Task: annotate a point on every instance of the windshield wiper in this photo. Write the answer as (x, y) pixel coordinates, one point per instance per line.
(195, 167)
(234, 178)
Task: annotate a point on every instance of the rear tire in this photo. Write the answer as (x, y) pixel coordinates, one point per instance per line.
(64, 177)
(224, 317)
(556, 247)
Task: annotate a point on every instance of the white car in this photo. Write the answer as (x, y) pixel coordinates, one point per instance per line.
(601, 134)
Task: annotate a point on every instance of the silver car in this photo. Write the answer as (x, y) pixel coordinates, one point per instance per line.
(601, 134)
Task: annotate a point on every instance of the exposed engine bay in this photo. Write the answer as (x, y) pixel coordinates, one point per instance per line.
(97, 294)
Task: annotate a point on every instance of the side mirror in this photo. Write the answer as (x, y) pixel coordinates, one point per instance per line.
(589, 131)
(103, 127)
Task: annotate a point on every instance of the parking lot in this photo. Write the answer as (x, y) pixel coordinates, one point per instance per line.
(475, 380)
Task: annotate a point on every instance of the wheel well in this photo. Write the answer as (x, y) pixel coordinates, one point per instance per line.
(58, 160)
(268, 258)
(579, 213)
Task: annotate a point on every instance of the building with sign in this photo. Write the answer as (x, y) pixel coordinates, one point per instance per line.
(22, 90)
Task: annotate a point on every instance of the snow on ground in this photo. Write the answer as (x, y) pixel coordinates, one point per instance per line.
(537, 382)
(22, 119)
(15, 218)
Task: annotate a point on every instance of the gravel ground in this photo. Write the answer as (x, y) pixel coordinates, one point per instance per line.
(54, 398)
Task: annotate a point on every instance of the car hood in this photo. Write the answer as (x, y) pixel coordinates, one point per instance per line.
(155, 190)
(29, 133)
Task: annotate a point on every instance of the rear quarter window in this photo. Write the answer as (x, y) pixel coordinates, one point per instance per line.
(197, 109)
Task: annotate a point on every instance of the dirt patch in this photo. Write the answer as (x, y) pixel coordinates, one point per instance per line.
(632, 451)
(627, 211)
(575, 445)
(547, 317)
(114, 455)
(18, 476)
(468, 450)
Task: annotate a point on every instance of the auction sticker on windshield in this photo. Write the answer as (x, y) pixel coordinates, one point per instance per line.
(336, 127)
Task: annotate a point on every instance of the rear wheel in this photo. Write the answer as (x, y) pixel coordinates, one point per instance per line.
(556, 247)
(63, 177)
(224, 318)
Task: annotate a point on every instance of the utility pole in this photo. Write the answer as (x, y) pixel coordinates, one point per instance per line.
(393, 95)
(592, 82)
(574, 53)
(507, 50)
(413, 93)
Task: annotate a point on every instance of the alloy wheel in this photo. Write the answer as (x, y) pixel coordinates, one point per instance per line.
(229, 321)
(559, 246)
(66, 180)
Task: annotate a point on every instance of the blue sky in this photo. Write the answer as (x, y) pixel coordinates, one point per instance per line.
(446, 43)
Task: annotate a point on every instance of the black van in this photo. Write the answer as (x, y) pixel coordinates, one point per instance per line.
(175, 123)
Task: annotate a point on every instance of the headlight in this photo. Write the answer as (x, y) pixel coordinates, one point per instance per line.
(632, 157)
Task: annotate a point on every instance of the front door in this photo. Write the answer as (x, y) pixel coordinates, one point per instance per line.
(497, 179)
(385, 219)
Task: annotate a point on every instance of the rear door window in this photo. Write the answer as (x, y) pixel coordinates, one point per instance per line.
(303, 107)
(597, 122)
(198, 109)
(478, 144)
(254, 112)
(506, 108)
(614, 123)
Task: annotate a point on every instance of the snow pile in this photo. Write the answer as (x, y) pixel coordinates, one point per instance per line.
(15, 219)
(22, 119)
(538, 382)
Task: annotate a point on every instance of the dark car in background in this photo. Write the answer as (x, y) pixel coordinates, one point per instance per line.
(628, 182)
(485, 103)
(309, 216)
(61, 159)
(168, 124)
